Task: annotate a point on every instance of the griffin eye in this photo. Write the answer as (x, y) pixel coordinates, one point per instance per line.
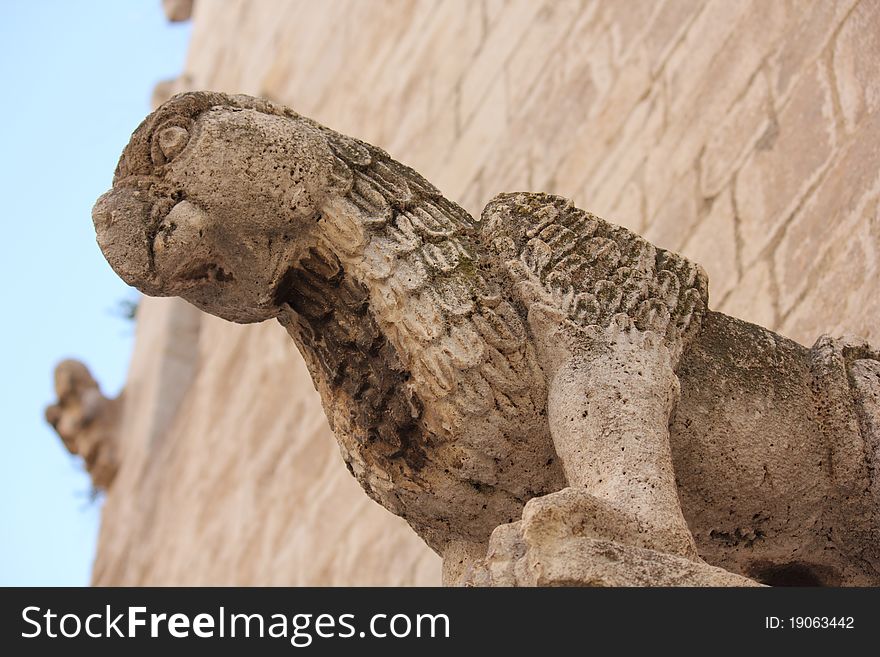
(172, 140)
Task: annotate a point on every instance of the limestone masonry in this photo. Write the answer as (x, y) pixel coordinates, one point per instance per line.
(540, 356)
(744, 136)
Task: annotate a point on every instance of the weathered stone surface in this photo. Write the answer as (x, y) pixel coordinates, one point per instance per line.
(469, 368)
(754, 298)
(857, 50)
(786, 162)
(678, 216)
(713, 243)
(607, 62)
(561, 541)
(165, 89)
(807, 39)
(842, 204)
(178, 11)
(748, 121)
(86, 421)
(845, 261)
(722, 51)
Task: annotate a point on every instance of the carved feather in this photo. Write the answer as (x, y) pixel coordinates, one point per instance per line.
(592, 270)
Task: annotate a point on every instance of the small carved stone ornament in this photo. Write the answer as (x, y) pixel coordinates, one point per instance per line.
(543, 396)
(86, 421)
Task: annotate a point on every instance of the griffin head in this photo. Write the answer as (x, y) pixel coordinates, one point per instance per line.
(429, 381)
(189, 208)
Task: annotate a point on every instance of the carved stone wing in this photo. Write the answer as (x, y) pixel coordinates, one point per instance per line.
(593, 271)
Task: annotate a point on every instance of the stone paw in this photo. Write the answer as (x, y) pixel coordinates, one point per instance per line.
(571, 538)
(573, 512)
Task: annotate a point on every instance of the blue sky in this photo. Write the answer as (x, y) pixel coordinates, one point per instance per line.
(76, 80)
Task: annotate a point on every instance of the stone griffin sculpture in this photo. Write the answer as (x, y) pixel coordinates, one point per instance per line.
(542, 395)
(86, 421)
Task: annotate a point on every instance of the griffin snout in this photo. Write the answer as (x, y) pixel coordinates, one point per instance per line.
(121, 218)
(158, 245)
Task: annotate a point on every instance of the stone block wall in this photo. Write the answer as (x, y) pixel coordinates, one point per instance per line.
(742, 133)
